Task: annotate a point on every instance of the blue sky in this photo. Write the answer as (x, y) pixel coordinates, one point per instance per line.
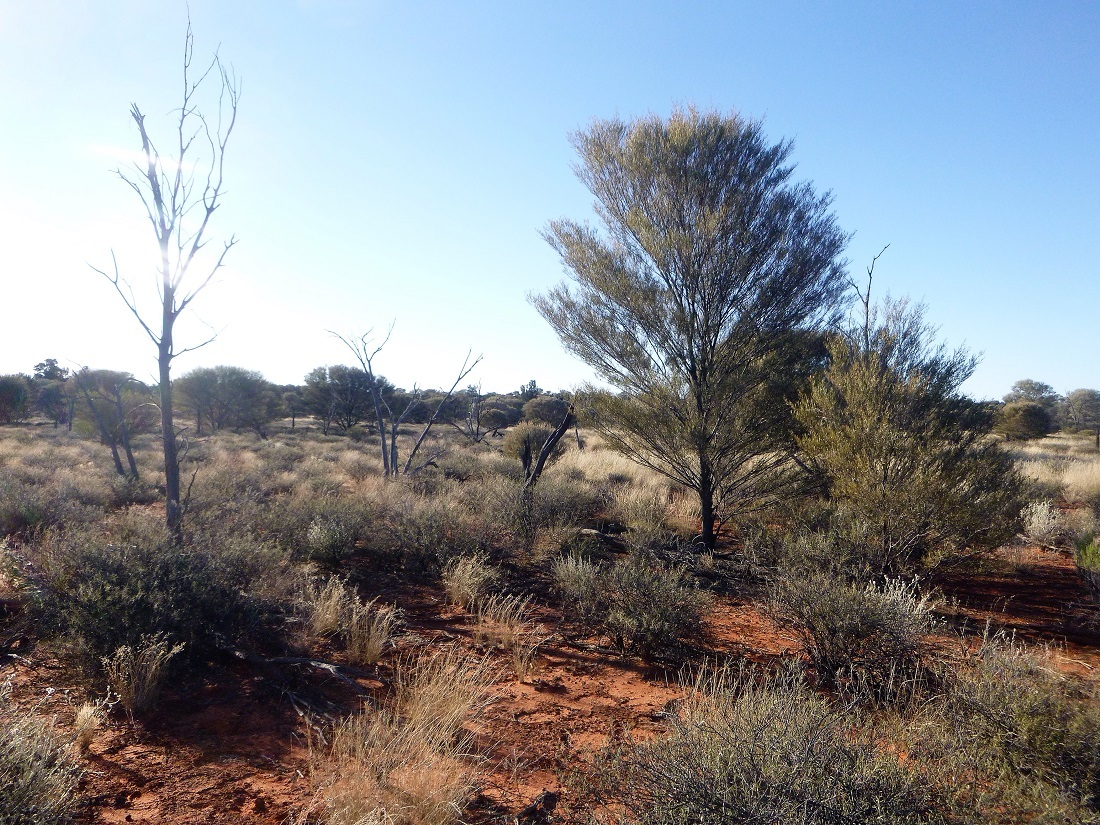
(396, 161)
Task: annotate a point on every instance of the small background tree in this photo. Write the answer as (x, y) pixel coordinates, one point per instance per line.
(1082, 411)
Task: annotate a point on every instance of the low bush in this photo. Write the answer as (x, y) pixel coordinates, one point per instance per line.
(1015, 738)
(527, 439)
(1087, 554)
(323, 528)
(641, 605)
(38, 775)
(103, 596)
(1043, 523)
(864, 629)
(767, 752)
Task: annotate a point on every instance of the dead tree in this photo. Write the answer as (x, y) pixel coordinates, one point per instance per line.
(365, 352)
(180, 194)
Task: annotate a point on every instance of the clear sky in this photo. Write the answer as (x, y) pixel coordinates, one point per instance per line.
(395, 161)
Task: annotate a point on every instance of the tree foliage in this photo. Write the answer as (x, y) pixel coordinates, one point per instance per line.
(227, 397)
(710, 259)
(1023, 420)
(341, 396)
(903, 455)
(15, 398)
(1082, 411)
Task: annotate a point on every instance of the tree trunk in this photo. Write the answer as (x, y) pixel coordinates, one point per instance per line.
(124, 433)
(706, 504)
(172, 508)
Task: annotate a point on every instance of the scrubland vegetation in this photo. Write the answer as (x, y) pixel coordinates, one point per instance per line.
(299, 554)
(386, 564)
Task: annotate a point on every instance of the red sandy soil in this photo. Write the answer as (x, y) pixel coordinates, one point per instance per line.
(230, 746)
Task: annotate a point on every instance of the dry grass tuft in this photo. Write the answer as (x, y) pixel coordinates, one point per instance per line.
(466, 580)
(89, 719)
(366, 628)
(136, 674)
(411, 765)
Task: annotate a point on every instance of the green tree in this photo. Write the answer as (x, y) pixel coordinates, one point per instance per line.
(1028, 389)
(15, 398)
(1023, 420)
(1082, 411)
(229, 397)
(50, 371)
(55, 400)
(341, 395)
(903, 456)
(117, 406)
(548, 409)
(711, 258)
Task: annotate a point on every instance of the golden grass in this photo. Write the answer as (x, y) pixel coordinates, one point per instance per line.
(410, 765)
(136, 675)
(1062, 465)
(467, 580)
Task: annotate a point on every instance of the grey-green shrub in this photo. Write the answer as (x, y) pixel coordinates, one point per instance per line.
(103, 595)
(860, 628)
(642, 606)
(1023, 733)
(768, 752)
(38, 775)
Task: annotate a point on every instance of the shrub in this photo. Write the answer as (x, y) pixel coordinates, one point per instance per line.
(425, 535)
(644, 607)
(104, 596)
(1012, 725)
(547, 409)
(1043, 523)
(866, 629)
(527, 438)
(904, 456)
(766, 753)
(1088, 562)
(38, 776)
(324, 528)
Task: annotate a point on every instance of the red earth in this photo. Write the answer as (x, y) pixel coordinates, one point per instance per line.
(230, 745)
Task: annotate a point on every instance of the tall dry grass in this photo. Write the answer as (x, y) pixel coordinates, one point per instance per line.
(410, 764)
(1066, 466)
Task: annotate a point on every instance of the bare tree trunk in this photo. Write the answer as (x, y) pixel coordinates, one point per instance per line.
(124, 433)
(174, 194)
(706, 505)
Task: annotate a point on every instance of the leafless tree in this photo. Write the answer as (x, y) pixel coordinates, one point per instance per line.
(180, 193)
(366, 350)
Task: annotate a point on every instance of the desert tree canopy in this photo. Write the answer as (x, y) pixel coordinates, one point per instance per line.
(710, 258)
